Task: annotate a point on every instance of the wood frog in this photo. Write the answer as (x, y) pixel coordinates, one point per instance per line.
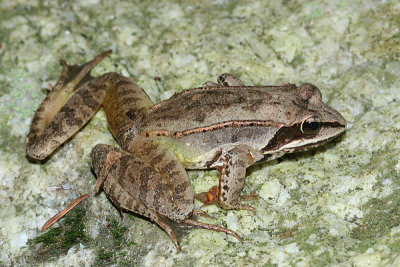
(225, 125)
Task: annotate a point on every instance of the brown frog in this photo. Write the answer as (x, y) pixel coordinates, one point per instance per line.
(226, 125)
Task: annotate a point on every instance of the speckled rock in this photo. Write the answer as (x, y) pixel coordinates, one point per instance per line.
(338, 204)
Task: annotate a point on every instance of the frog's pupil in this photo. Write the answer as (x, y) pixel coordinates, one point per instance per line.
(313, 125)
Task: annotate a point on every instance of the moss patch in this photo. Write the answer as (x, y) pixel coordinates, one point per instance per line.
(60, 239)
(112, 253)
(49, 238)
(116, 230)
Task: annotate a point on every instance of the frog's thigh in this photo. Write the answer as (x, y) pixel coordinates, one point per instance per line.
(133, 184)
(153, 175)
(233, 172)
(124, 200)
(160, 157)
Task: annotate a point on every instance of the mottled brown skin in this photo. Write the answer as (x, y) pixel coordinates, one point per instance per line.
(224, 125)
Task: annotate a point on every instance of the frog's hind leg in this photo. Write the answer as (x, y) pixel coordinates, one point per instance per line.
(133, 185)
(183, 228)
(125, 104)
(175, 230)
(153, 185)
(67, 107)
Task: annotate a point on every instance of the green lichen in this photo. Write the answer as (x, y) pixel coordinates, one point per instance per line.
(395, 246)
(383, 215)
(295, 194)
(322, 260)
(303, 235)
(5, 87)
(9, 142)
(298, 59)
(269, 264)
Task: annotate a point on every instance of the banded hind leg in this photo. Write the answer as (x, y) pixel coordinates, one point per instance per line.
(163, 191)
(70, 104)
(75, 99)
(151, 182)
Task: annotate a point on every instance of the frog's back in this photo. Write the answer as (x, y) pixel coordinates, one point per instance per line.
(223, 107)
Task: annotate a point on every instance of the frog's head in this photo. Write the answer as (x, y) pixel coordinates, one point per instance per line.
(315, 124)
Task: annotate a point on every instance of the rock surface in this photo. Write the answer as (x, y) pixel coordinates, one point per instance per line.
(338, 204)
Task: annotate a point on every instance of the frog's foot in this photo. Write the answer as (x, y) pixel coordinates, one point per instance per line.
(238, 205)
(252, 196)
(195, 224)
(68, 106)
(225, 79)
(211, 84)
(200, 213)
(211, 197)
(176, 230)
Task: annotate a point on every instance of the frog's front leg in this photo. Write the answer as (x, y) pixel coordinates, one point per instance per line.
(232, 167)
(151, 182)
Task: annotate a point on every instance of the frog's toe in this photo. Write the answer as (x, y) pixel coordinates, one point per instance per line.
(251, 196)
(211, 84)
(238, 206)
(176, 230)
(226, 79)
(210, 197)
(200, 213)
(194, 224)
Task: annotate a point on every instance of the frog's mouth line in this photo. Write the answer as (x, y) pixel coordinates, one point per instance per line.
(309, 146)
(270, 155)
(291, 134)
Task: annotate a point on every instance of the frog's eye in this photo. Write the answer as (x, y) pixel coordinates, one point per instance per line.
(311, 126)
